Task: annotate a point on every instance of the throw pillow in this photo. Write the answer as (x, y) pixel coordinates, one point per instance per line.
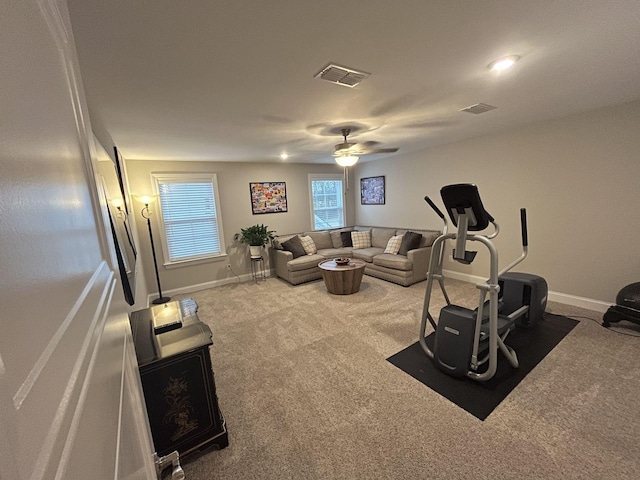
(294, 245)
(410, 240)
(346, 239)
(336, 239)
(308, 245)
(322, 239)
(361, 239)
(393, 245)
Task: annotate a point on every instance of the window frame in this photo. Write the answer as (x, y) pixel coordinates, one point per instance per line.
(328, 177)
(157, 179)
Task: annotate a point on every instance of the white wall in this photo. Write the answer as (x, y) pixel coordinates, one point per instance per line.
(67, 376)
(233, 184)
(577, 176)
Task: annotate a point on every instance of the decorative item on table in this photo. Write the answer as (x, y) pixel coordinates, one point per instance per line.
(256, 236)
(166, 317)
(342, 260)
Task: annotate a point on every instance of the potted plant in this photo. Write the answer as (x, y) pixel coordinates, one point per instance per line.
(256, 236)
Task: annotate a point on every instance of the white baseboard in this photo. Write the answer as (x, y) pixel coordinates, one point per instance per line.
(564, 298)
(204, 286)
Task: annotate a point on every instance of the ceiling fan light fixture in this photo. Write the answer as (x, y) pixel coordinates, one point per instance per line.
(346, 160)
(504, 63)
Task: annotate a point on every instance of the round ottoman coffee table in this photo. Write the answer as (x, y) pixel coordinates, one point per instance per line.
(342, 279)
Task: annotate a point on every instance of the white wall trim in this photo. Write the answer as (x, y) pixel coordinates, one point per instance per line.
(90, 348)
(204, 286)
(35, 372)
(74, 394)
(564, 298)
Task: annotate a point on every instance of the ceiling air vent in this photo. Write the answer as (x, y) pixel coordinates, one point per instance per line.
(478, 108)
(347, 77)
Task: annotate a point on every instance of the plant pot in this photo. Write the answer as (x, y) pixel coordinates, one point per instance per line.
(255, 251)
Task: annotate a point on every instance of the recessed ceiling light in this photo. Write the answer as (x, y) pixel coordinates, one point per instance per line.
(284, 156)
(503, 64)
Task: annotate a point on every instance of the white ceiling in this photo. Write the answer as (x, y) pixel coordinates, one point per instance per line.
(234, 80)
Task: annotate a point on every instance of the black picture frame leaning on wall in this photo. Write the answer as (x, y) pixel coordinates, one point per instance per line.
(118, 165)
(372, 190)
(268, 197)
(120, 226)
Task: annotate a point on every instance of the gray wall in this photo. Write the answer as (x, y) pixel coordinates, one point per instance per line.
(233, 185)
(577, 176)
(70, 400)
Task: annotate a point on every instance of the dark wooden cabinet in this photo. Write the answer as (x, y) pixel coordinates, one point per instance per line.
(172, 347)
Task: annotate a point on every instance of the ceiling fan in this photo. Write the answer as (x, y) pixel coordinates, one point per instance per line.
(346, 153)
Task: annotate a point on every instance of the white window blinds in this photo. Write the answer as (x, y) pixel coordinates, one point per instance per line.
(327, 198)
(190, 218)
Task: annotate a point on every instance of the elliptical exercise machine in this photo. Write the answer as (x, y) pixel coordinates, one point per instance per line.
(465, 339)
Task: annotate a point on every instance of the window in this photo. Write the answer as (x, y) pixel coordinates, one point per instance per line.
(327, 201)
(190, 217)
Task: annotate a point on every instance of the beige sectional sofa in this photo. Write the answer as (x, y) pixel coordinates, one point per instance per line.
(401, 269)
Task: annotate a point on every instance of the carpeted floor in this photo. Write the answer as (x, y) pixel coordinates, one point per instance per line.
(307, 393)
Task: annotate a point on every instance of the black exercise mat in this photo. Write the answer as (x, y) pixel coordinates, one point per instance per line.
(480, 398)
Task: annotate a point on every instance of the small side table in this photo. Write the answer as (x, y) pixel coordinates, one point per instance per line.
(257, 269)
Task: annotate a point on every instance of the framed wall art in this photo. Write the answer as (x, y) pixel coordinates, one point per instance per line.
(372, 191)
(268, 197)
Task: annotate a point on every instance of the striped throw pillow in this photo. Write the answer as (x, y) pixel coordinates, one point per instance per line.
(308, 245)
(393, 245)
(361, 239)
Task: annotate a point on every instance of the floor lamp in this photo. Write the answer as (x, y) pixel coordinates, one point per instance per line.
(146, 213)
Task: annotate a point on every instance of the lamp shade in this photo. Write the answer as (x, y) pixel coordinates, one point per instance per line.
(145, 199)
(117, 202)
(346, 160)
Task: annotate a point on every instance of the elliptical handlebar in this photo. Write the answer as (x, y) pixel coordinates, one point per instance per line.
(523, 225)
(525, 243)
(434, 206)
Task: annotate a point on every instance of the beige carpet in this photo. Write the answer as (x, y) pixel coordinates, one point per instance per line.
(307, 393)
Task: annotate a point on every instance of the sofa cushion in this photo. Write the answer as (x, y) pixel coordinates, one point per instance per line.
(410, 240)
(279, 240)
(335, 252)
(397, 262)
(361, 239)
(336, 237)
(308, 245)
(305, 262)
(367, 254)
(294, 245)
(345, 238)
(322, 239)
(428, 238)
(380, 236)
(393, 245)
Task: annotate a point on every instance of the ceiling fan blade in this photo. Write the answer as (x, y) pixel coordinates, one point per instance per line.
(345, 148)
(365, 148)
(383, 150)
(372, 151)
